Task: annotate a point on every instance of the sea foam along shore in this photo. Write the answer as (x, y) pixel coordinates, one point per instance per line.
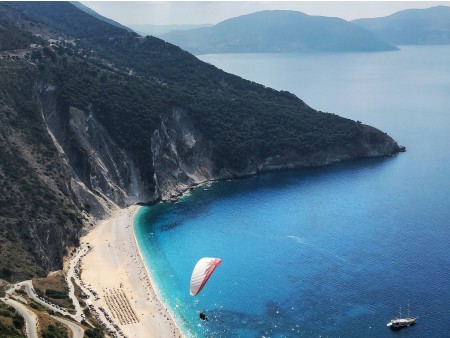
(114, 269)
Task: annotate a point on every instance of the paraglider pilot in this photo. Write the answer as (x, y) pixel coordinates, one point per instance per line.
(202, 271)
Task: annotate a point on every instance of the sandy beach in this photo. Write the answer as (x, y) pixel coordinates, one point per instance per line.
(114, 269)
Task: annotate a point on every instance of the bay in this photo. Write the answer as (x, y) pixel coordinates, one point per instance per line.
(332, 251)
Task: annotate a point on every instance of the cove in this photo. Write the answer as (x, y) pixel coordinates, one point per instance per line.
(330, 251)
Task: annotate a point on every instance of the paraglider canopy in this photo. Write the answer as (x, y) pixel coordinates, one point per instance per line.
(202, 271)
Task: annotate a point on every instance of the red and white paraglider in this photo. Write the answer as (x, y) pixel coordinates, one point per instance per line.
(200, 276)
(202, 272)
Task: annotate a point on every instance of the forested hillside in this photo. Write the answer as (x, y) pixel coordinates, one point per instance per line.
(93, 116)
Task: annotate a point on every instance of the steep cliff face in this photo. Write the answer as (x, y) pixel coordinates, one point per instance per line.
(181, 156)
(39, 212)
(103, 174)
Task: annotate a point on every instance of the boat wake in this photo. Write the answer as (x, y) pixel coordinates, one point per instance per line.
(323, 252)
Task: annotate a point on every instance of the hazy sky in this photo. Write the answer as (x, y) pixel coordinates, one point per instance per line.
(200, 12)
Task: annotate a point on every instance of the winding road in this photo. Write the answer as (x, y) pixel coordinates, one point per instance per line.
(28, 315)
(31, 318)
(77, 331)
(28, 288)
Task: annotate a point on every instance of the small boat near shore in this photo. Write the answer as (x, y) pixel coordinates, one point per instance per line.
(399, 322)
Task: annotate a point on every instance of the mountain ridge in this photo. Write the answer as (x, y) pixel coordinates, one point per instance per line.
(430, 26)
(93, 13)
(157, 30)
(278, 31)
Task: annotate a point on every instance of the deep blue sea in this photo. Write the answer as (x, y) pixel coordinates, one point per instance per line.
(327, 252)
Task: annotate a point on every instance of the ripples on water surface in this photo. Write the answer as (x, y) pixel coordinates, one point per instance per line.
(332, 251)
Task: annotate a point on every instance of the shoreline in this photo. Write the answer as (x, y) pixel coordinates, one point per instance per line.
(114, 268)
(153, 285)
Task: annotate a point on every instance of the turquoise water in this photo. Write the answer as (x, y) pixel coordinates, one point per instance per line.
(328, 252)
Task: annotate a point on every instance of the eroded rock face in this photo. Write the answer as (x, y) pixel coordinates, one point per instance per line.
(181, 156)
(103, 175)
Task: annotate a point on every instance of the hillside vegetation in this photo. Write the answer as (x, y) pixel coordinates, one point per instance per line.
(34, 196)
(12, 38)
(89, 120)
(12, 324)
